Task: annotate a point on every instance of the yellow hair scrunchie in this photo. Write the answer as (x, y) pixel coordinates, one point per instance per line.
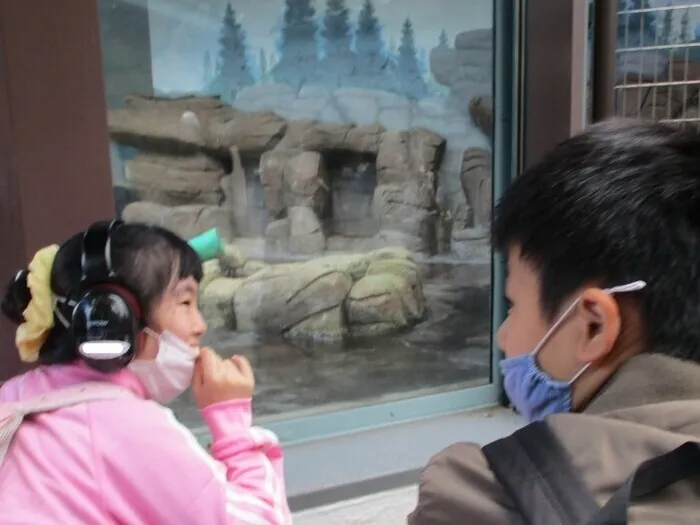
(39, 313)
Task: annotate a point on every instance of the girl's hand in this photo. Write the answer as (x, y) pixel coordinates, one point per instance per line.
(216, 379)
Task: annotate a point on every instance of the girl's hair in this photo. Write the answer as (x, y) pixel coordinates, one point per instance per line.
(147, 260)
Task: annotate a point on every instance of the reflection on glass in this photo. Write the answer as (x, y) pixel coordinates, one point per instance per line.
(343, 151)
(658, 61)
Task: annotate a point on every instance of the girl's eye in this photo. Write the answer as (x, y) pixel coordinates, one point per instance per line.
(187, 302)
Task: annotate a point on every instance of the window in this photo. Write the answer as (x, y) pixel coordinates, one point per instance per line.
(343, 150)
(658, 61)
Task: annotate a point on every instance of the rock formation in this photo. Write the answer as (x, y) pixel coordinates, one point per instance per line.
(191, 189)
(466, 70)
(323, 299)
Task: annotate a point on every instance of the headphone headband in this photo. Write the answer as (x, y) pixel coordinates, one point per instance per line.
(96, 258)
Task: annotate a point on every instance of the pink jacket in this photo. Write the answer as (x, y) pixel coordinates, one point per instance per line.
(129, 461)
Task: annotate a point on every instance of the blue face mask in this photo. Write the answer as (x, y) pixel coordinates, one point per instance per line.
(533, 393)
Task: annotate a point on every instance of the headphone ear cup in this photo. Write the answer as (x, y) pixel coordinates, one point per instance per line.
(106, 327)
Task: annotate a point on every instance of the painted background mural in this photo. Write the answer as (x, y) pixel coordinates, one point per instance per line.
(343, 150)
(340, 43)
(360, 62)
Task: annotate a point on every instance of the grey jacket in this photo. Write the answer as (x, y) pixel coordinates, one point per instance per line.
(650, 406)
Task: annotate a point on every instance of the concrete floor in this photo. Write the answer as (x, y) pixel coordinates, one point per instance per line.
(384, 508)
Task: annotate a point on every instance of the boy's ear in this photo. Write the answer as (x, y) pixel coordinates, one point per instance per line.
(601, 315)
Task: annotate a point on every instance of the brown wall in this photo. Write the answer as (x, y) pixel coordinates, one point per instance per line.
(553, 74)
(54, 164)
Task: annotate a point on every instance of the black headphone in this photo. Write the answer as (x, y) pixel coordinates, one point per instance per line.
(106, 320)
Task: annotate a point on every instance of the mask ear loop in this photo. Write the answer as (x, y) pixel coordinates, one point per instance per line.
(553, 328)
(631, 287)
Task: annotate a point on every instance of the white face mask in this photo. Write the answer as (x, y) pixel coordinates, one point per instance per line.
(170, 373)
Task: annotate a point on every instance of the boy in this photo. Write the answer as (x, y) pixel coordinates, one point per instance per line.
(603, 330)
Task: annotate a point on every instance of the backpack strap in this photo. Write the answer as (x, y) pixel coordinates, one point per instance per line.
(651, 476)
(537, 473)
(12, 414)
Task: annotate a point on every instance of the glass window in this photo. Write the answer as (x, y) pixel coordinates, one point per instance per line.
(343, 151)
(658, 61)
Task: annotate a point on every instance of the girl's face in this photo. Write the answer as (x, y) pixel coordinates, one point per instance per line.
(178, 313)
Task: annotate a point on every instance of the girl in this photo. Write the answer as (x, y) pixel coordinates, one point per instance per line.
(119, 456)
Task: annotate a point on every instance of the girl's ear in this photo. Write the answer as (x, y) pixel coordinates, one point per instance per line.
(148, 345)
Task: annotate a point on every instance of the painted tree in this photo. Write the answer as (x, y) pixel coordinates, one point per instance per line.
(233, 71)
(336, 28)
(393, 51)
(648, 23)
(207, 71)
(637, 28)
(263, 65)
(667, 26)
(339, 60)
(371, 62)
(298, 58)
(443, 41)
(684, 35)
(408, 70)
(423, 65)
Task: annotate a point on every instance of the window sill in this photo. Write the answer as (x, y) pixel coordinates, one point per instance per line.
(345, 467)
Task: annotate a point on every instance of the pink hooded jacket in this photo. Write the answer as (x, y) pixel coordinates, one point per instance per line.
(129, 461)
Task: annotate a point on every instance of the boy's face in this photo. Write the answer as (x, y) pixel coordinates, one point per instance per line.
(588, 334)
(526, 324)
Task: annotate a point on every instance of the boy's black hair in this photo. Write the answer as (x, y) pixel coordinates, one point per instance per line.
(614, 204)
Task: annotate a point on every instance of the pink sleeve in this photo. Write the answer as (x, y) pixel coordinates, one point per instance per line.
(253, 460)
(152, 469)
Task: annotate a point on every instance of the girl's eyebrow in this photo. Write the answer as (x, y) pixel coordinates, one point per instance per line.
(185, 287)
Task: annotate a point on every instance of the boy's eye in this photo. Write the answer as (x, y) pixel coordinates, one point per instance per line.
(186, 302)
